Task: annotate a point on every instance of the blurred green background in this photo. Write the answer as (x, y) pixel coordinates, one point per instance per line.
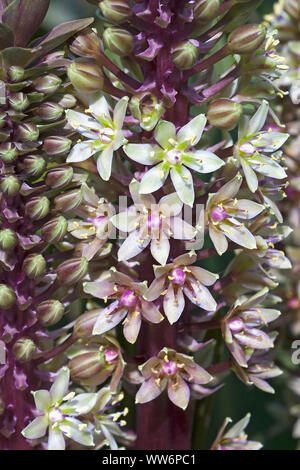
(270, 421)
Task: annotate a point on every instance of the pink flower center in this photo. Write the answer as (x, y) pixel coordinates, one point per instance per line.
(169, 368)
(55, 415)
(128, 298)
(236, 324)
(219, 213)
(178, 276)
(247, 148)
(98, 221)
(154, 222)
(173, 156)
(110, 355)
(293, 303)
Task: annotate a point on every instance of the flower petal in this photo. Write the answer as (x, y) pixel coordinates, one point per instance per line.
(160, 249)
(60, 386)
(80, 404)
(108, 318)
(99, 106)
(148, 391)
(132, 246)
(71, 428)
(183, 183)
(42, 399)
(83, 123)
(120, 112)
(150, 312)
(250, 176)
(146, 154)
(164, 131)
(258, 119)
(239, 234)
(173, 304)
(81, 152)
(179, 394)
(56, 439)
(202, 161)
(154, 178)
(104, 163)
(132, 326)
(37, 428)
(192, 131)
(219, 240)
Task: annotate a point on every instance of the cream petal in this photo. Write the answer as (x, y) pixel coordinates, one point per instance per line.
(239, 235)
(99, 106)
(218, 239)
(132, 326)
(120, 112)
(183, 183)
(164, 131)
(148, 391)
(37, 428)
(132, 246)
(182, 230)
(108, 318)
(60, 386)
(154, 178)
(258, 119)
(228, 191)
(202, 161)
(104, 163)
(146, 154)
(205, 277)
(42, 399)
(71, 428)
(156, 288)
(247, 209)
(170, 205)
(56, 439)
(81, 152)
(83, 123)
(179, 394)
(173, 304)
(160, 249)
(126, 221)
(192, 131)
(150, 312)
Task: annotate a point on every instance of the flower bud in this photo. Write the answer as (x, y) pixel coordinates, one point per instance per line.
(50, 312)
(33, 165)
(119, 41)
(206, 10)
(86, 366)
(59, 177)
(54, 230)
(18, 101)
(86, 44)
(48, 84)
(49, 111)
(224, 113)
(185, 55)
(69, 201)
(84, 324)
(246, 39)
(67, 101)
(8, 239)
(7, 297)
(24, 349)
(34, 265)
(27, 131)
(8, 152)
(145, 107)
(292, 7)
(3, 117)
(87, 77)
(116, 11)
(72, 270)
(16, 73)
(37, 208)
(10, 185)
(55, 145)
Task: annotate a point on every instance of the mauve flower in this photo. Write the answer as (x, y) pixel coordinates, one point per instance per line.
(173, 155)
(151, 223)
(179, 278)
(173, 371)
(235, 438)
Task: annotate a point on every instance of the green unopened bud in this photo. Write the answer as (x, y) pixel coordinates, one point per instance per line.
(3, 117)
(34, 265)
(86, 44)
(224, 113)
(55, 145)
(87, 77)
(59, 177)
(27, 131)
(50, 312)
(246, 39)
(84, 324)
(185, 55)
(33, 165)
(8, 152)
(69, 201)
(24, 349)
(206, 10)
(37, 208)
(18, 101)
(7, 297)
(10, 185)
(16, 73)
(292, 7)
(49, 111)
(145, 107)
(48, 84)
(72, 270)
(67, 101)
(116, 11)
(55, 229)
(119, 41)
(85, 367)
(8, 239)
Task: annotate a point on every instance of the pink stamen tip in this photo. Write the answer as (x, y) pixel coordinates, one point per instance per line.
(178, 276)
(128, 298)
(169, 368)
(219, 213)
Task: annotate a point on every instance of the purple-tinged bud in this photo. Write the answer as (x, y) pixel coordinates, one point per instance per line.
(69, 201)
(224, 113)
(116, 11)
(119, 41)
(54, 230)
(111, 356)
(56, 145)
(33, 165)
(7, 297)
(246, 39)
(16, 73)
(86, 44)
(49, 111)
(71, 271)
(27, 131)
(147, 109)
(37, 208)
(59, 177)
(24, 349)
(87, 77)
(67, 101)
(185, 55)
(128, 298)
(48, 84)
(84, 325)
(292, 7)
(218, 213)
(236, 324)
(178, 276)
(10, 185)
(85, 367)
(34, 266)
(206, 10)
(8, 152)
(50, 312)
(18, 101)
(8, 239)
(169, 368)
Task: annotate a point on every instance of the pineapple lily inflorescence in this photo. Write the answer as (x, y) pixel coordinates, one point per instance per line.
(141, 168)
